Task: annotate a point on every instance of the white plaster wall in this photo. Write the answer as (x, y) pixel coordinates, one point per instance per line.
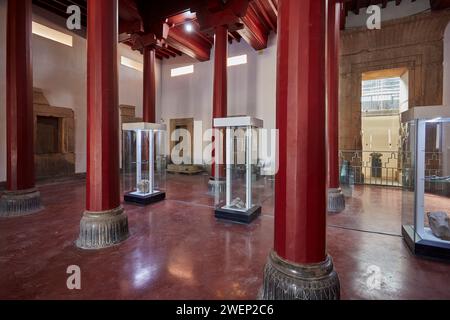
(251, 87)
(131, 80)
(60, 71)
(406, 8)
(186, 96)
(2, 90)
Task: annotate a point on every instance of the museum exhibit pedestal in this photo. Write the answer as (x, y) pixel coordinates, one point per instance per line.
(238, 216)
(20, 203)
(423, 247)
(426, 180)
(144, 199)
(241, 153)
(102, 229)
(336, 200)
(143, 168)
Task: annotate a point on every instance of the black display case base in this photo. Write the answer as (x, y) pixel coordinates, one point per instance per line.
(144, 200)
(245, 217)
(425, 248)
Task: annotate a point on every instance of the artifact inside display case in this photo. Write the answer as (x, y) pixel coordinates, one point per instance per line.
(143, 162)
(239, 203)
(426, 181)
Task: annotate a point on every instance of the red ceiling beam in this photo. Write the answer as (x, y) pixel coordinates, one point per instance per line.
(254, 32)
(172, 51)
(140, 41)
(190, 44)
(217, 13)
(264, 14)
(155, 13)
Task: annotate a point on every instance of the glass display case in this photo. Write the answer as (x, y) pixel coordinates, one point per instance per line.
(240, 201)
(143, 157)
(426, 181)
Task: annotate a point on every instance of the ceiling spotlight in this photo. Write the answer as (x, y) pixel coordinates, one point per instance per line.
(188, 27)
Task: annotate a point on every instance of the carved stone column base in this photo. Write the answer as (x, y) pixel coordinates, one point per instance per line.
(286, 281)
(336, 200)
(102, 229)
(216, 186)
(20, 203)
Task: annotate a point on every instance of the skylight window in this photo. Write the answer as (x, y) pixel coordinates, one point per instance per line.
(235, 61)
(130, 63)
(52, 34)
(182, 71)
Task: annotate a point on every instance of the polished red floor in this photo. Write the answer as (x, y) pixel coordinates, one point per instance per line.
(177, 250)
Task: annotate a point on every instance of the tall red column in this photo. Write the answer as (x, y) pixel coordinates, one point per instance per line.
(149, 101)
(219, 95)
(104, 222)
(21, 197)
(336, 199)
(299, 267)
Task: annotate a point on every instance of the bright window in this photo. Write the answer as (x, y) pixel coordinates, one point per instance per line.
(235, 61)
(52, 34)
(130, 63)
(182, 71)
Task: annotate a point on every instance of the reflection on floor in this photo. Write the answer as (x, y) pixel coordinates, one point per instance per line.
(177, 250)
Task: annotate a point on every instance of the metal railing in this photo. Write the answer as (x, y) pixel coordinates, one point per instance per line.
(385, 168)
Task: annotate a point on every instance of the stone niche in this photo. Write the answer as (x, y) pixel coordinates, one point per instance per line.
(54, 138)
(414, 43)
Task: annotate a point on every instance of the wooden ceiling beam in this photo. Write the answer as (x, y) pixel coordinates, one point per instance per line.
(264, 14)
(254, 32)
(190, 44)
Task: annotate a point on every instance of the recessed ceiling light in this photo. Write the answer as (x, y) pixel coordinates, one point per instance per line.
(188, 27)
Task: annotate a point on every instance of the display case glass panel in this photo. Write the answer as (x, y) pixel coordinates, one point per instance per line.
(240, 200)
(143, 162)
(426, 186)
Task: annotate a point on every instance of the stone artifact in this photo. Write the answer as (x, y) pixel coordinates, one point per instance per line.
(143, 186)
(237, 203)
(439, 224)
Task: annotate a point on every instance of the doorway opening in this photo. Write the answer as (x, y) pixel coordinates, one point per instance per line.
(384, 97)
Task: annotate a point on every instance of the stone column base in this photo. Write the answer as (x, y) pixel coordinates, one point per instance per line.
(336, 200)
(215, 186)
(286, 281)
(20, 203)
(102, 229)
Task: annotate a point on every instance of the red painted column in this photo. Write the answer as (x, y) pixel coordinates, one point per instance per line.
(103, 188)
(220, 83)
(333, 37)
(299, 267)
(19, 97)
(301, 182)
(149, 101)
(104, 223)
